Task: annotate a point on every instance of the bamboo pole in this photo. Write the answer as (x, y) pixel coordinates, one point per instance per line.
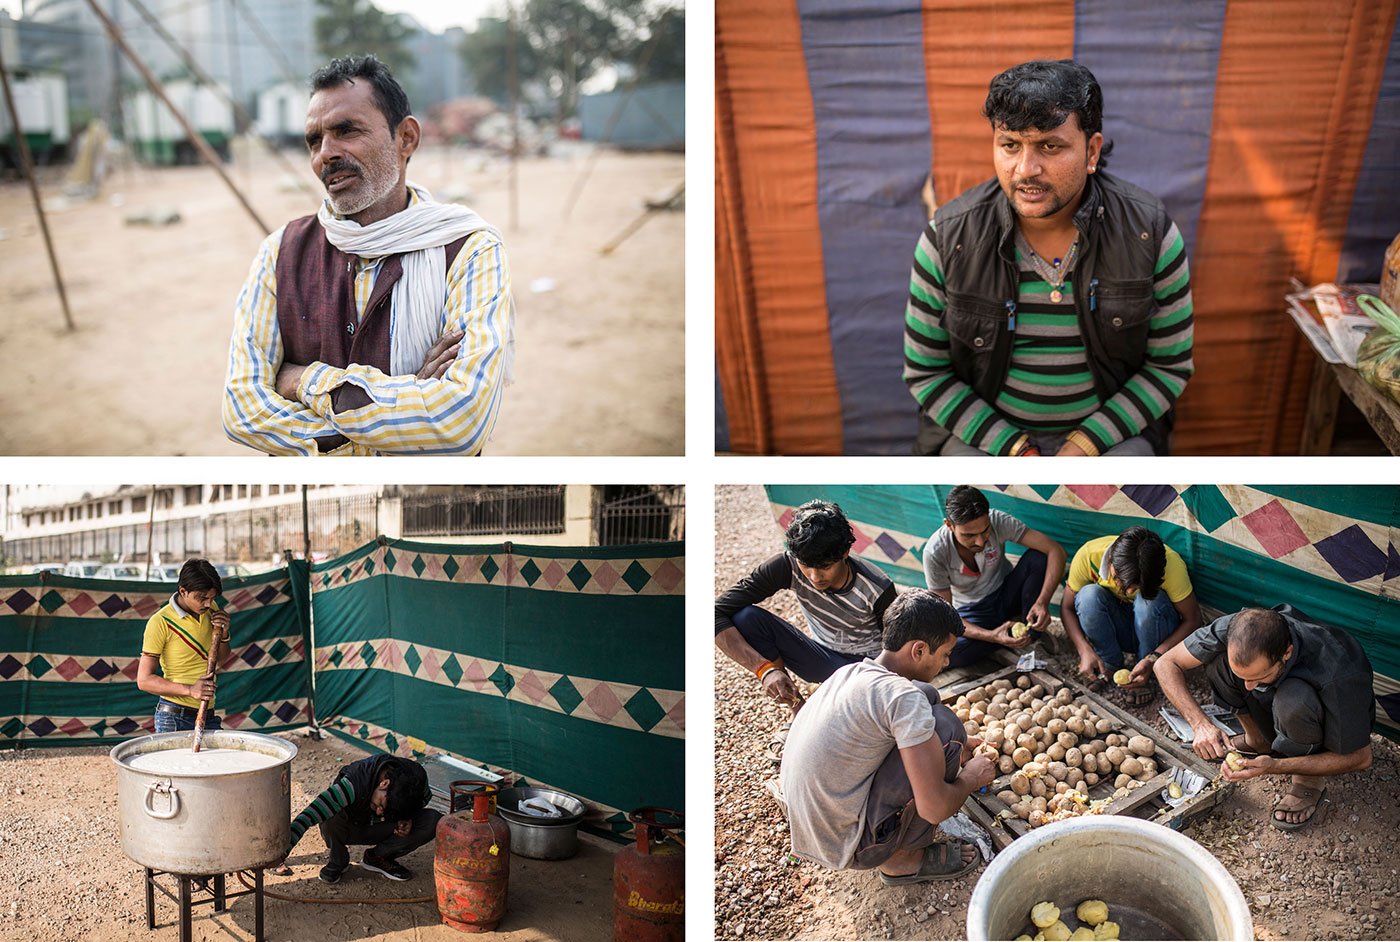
(195, 137)
(28, 164)
(513, 66)
(212, 668)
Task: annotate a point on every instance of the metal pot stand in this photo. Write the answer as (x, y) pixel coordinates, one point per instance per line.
(218, 896)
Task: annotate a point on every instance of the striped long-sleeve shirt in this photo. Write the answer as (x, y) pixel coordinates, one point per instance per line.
(405, 415)
(323, 807)
(1049, 387)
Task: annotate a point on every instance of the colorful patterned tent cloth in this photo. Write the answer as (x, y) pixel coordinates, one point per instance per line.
(553, 666)
(69, 650)
(1269, 130)
(1333, 552)
(561, 666)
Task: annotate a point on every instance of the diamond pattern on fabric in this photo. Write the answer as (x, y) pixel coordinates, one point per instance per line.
(1352, 554)
(450, 567)
(636, 576)
(1153, 498)
(891, 547)
(52, 600)
(1275, 529)
(260, 715)
(643, 708)
(1213, 511)
(9, 666)
(1095, 496)
(418, 566)
(368, 654)
(451, 669)
(565, 694)
(38, 666)
(530, 572)
(20, 601)
(1045, 491)
(579, 575)
(489, 568)
(502, 679)
(411, 660)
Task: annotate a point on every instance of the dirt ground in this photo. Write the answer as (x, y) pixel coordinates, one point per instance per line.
(600, 355)
(63, 875)
(1334, 880)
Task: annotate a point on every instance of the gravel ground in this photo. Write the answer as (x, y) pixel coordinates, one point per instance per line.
(63, 875)
(1335, 880)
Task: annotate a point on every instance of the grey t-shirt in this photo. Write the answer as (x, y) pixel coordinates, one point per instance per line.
(1327, 659)
(944, 568)
(836, 745)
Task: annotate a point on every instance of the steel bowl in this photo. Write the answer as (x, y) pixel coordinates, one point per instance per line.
(1158, 884)
(541, 838)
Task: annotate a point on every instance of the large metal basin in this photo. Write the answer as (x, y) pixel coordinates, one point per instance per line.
(541, 838)
(1162, 884)
(203, 823)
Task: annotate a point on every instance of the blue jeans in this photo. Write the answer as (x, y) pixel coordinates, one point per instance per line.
(1011, 602)
(801, 654)
(184, 722)
(1114, 626)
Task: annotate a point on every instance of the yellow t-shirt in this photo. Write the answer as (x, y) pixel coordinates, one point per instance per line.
(182, 644)
(1087, 567)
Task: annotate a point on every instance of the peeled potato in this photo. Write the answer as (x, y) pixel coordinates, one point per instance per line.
(1082, 934)
(1123, 677)
(1174, 790)
(1235, 761)
(1106, 931)
(1058, 932)
(1045, 914)
(1092, 911)
(1142, 746)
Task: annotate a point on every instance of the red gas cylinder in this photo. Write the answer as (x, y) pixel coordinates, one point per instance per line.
(649, 881)
(472, 863)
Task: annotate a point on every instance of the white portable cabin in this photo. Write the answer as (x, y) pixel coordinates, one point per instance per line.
(281, 113)
(41, 100)
(159, 138)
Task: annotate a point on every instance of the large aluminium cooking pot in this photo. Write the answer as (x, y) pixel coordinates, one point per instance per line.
(1158, 884)
(203, 822)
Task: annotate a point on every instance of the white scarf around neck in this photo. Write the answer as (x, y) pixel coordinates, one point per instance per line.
(418, 233)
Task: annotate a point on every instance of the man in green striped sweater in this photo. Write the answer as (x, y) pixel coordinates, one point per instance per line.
(1049, 308)
(380, 800)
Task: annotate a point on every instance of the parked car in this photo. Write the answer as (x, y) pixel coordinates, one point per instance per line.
(165, 573)
(232, 570)
(49, 567)
(121, 571)
(84, 569)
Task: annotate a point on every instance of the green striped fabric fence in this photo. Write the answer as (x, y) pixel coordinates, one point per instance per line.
(555, 666)
(69, 651)
(1331, 551)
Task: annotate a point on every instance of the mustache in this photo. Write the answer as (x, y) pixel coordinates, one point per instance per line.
(340, 166)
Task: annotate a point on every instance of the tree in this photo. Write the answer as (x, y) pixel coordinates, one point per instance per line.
(563, 43)
(358, 27)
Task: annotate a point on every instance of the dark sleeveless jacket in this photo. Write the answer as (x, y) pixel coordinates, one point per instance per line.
(316, 311)
(1121, 228)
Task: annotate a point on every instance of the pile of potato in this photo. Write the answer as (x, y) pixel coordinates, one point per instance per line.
(1049, 750)
(1094, 925)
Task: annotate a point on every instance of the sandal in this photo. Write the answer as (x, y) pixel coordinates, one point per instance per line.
(1240, 744)
(940, 862)
(776, 744)
(1306, 792)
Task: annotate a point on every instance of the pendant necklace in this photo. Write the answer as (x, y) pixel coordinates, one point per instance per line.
(1055, 272)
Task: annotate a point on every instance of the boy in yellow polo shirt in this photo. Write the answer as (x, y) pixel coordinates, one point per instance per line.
(1127, 594)
(177, 641)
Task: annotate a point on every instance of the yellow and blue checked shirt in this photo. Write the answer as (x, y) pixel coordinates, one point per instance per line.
(405, 415)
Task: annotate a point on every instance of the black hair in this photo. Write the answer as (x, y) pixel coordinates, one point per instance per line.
(1042, 94)
(919, 615)
(965, 504)
(1256, 631)
(819, 534)
(199, 575)
(388, 93)
(1139, 560)
(402, 800)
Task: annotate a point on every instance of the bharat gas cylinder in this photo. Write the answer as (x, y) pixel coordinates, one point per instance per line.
(472, 864)
(649, 881)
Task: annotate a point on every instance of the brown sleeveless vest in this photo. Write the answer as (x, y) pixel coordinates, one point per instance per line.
(316, 311)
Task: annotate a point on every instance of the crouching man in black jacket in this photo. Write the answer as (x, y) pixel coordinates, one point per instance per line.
(381, 801)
